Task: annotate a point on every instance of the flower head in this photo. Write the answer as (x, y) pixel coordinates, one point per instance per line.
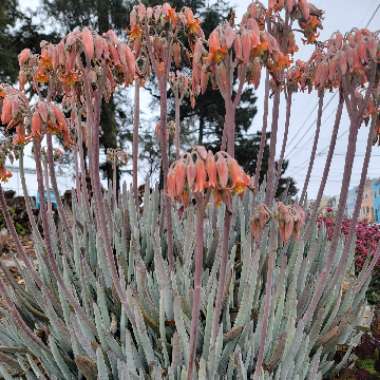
(201, 171)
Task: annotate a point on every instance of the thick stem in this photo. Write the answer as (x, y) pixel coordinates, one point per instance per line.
(196, 307)
(272, 150)
(351, 233)
(285, 139)
(321, 283)
(326, 169)
(263, 137)
(356, 119)
(28, 205)
(222, 274)
(314, 148)
(165, 168)
(53, 178)
(135, 142)
(47, 185)
(177, 137)
(267, 305)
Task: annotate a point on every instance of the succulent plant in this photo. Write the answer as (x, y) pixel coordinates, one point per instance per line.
(243, 287)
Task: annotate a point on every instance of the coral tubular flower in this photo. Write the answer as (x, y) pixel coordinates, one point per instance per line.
(135, 33)
(200, 178)
(6, 112)
(217, 51)
(201, 171)
(239, 179)
(222, 170)
(286, 222)
(260, 218)
(24, 56)
(211, 170)
(4, 174)
(69, 79)
(88, 43)
(36, 125)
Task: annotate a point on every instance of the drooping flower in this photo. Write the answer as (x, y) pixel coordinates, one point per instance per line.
(201, 171)
(239, 179)
(285, 221)
(4, 174)
(88, 43)
(260, 218)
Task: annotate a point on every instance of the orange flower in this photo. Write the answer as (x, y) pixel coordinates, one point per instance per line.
(211, 170)
(239, 179)
(191, 173)
(45, 62)
(200, 179)
(194, 26)
(4, 174)
(88, 43)
(180, 177)
(19, 138)
(69, 79)
(217, 52)
(170, 14)
(24, 56)
(260, 218)
(222, 170)
(135, 33)
(6, 113)
(41, 76)
(36, 124)
(285, 221)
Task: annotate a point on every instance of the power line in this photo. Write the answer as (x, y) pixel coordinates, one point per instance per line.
(331, 99)
(308, 129)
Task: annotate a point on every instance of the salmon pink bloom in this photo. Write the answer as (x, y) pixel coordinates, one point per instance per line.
(180, 177)
(6, 112)
(36, 125)
(88, 43)
(191, 173)
(200, 178)
(24, 56)
(211, 170)
(260, 218)
(222, 170)
(4, 174)
(239, 179)
(286, 222)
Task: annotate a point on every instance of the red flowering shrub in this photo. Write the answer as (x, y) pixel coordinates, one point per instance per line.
(367, 235)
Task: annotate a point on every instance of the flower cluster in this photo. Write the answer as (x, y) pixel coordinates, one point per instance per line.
(17, 114)
(350, 55)
(290, 218)
(6, 152)
(107, 61)
(14, 107)
(250, 46)
(200, 171)
(159, 26)
(308, 16)
(47, 117)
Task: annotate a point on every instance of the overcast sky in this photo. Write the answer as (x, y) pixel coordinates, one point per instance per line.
(340, 15)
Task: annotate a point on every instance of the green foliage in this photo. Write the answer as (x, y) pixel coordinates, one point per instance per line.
(90, 333)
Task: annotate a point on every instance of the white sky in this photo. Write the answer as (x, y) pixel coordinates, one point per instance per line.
(339, 15)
